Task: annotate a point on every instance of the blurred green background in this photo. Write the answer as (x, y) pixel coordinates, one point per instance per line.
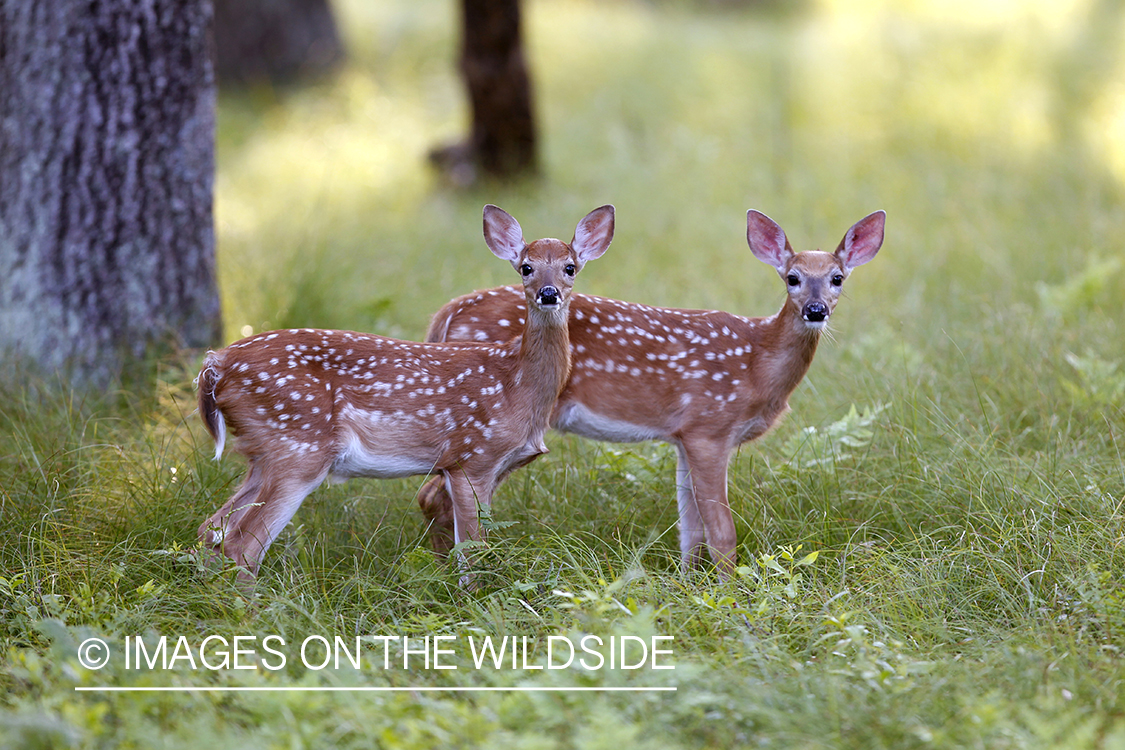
(992, 133)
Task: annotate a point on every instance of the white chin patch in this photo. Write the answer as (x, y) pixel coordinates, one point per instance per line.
(816, 325)
(554, 313)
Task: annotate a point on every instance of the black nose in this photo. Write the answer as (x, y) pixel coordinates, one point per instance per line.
(815, 312)
(548, 295)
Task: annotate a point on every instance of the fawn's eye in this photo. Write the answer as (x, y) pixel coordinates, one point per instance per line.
(570, 269)
(837, 280)
(793, 279)
(526, 270)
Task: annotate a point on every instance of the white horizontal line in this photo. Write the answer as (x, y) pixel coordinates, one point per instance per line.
(423, 689)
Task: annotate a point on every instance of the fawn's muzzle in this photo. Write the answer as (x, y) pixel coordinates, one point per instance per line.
(548, 297)
(815, 312)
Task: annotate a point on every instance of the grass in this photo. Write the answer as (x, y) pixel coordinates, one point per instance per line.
(939, 567)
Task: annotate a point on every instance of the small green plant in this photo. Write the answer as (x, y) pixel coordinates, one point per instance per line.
(1082, 290)
(487, 522)
(1098, 384)
(772, 591)
(598, 607)
(813, 447)
(780, 572)
(853, 652)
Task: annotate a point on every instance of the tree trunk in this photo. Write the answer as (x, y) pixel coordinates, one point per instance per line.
(274, 41)
(106, 170)
(502, 141)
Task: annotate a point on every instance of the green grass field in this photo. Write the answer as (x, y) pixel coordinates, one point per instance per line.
(940, 566)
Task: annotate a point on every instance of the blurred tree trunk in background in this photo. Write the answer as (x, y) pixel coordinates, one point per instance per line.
(274, 41)
(502, 140)
(106, 170)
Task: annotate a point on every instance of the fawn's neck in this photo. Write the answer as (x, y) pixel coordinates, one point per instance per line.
(786, 348)
(545, 359)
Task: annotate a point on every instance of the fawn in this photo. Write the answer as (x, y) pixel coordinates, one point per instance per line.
(704, 381)
(306, 405)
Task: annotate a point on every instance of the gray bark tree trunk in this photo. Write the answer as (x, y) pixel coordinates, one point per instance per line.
(106, 173)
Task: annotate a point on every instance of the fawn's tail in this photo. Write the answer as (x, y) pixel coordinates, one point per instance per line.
(208, 409)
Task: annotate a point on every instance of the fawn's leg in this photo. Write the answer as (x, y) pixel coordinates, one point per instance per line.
(467, 493)
(212, 530)
(707, 465)
(437, 507)
(692, 535)
(249, 531)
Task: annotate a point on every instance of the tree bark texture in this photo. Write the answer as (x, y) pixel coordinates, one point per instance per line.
(502, 142)
(274, 41)
(106, 173)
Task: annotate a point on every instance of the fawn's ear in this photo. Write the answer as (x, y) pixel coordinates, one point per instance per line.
(862, 241)
(503, 234)
(593, 234)
(767, 240)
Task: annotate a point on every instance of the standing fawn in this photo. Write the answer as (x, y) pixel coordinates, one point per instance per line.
(306, 405)
(701, 380)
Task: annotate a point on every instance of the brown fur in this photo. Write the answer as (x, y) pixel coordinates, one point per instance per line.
(705, 381)
(304, 405)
